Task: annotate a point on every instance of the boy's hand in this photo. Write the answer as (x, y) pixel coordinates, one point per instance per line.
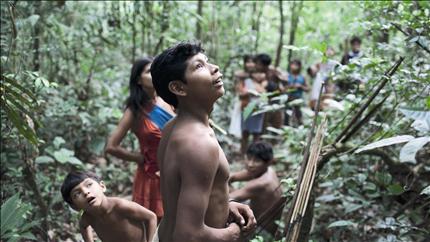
(242, 215)
(235, 229)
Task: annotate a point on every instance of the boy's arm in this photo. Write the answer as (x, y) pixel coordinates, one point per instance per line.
(249, 191)
(113, 145)
(86, 230)
(198, 166)
(136, 212)
(243, 175)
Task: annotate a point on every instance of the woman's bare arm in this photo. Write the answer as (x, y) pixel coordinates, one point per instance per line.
(113, 145)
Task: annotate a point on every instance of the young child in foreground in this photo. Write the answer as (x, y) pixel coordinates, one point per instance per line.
(113, 219)
(262, 187)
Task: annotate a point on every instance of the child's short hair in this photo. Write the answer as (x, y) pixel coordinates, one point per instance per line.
(261, 150)
(169, 66)
(72, 180)
(263, 58)
(355, 39)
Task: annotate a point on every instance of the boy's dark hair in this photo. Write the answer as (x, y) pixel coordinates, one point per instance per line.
(169, 66)
(72, 180)
(263, 59)
(261, 150)
(247, 58)
(355, 39)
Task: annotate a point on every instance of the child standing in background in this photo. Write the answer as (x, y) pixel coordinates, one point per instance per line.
(297, 83)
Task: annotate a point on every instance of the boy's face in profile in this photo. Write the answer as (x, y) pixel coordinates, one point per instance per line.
(255, 165)
(203, 79)
(88, 194)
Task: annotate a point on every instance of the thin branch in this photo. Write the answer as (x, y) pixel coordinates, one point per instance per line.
(398, 27)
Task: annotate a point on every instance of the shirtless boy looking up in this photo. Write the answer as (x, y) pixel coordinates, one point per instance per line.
(262, 187)
(114, 219)
(194, 170)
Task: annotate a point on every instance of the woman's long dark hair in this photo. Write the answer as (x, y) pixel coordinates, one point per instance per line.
(138, 98)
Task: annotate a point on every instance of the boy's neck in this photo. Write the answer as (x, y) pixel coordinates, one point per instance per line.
(261, 173)
(103, 209)
(198, 113)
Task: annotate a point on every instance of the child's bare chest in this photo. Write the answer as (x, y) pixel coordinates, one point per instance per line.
(117, 228)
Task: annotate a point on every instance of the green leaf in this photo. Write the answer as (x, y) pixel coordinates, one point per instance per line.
(63, 155)
(341, 223)
(395, 189)
(28, 235)
(44, 159)
(22, 126)
(383, 178)
(249, 109)
(386, 142)
(7, 213)
(58, 141)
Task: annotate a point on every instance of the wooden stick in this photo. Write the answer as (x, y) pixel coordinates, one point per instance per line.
(305, 189)
(305, 156)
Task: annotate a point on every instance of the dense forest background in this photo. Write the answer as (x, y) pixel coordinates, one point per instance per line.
(64, 79)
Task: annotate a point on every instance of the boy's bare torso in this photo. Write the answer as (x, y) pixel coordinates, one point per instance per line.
(176, 133)
(114, 226)
(267, 192)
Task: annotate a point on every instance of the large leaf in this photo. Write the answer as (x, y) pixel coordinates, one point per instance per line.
(386, 142)
(408, 152)
(7, 214)
(395, 189)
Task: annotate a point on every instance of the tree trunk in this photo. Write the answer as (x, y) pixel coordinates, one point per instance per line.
(281, 34)
(256, 25)
(36, 37)
(295, 13)
(143, 25)
(149, 13)
(164, 26)
(198, 22)
(134, 32)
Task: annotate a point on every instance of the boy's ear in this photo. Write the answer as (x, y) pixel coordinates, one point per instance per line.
(102, 184)
(177, 88)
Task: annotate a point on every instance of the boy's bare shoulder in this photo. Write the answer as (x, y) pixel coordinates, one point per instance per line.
(191, 136)
(119, 203)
